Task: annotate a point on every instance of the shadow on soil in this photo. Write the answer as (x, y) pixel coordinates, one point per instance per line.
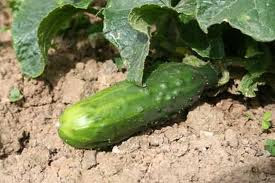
(253, 173)
(65, 58)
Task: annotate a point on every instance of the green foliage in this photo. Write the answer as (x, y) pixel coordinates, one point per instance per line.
(15, 5)
(249, 84)
(253, 18)
(133, 44)
(35, 25)
(129, 26)
(256, 67)
(270, 146)
(266, 121)
(15, 95)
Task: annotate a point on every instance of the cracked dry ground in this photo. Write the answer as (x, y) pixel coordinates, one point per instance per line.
(219, 141)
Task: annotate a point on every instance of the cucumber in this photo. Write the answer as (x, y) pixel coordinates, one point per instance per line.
(122, 110)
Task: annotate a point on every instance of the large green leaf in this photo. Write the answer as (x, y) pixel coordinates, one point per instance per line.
(254, 18)
(34, 27)
(128, 26)
(206, 45)
(132, 44)
(174, 33)
(187, 7)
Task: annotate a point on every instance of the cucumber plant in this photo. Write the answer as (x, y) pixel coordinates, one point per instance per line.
(236, 39)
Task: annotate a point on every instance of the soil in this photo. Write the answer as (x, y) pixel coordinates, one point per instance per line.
(217, 140)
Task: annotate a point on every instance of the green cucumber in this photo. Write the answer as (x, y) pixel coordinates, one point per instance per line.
(122, 110)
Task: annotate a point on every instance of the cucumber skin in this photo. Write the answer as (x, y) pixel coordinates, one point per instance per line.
(122, 110)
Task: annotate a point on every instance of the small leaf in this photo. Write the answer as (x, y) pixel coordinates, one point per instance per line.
(249, 84)
(270, 146)
(15, 95)
(266, 121)
(256, 68)
(225, 77)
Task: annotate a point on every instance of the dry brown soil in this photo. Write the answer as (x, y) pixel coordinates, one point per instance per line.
(216, 141)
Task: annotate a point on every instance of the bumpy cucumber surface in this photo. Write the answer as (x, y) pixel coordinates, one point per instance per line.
(120, 111)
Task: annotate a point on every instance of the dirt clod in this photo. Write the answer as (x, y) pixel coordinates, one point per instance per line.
(231, 138)
(73, 89)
